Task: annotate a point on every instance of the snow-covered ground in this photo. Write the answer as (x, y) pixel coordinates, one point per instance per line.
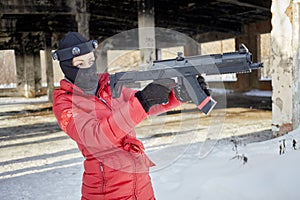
(38, 161)
(266, 175)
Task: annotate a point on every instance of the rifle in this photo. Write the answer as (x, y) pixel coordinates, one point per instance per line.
(186, 69)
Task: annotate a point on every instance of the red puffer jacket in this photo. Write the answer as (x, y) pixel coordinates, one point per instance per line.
(115, 165)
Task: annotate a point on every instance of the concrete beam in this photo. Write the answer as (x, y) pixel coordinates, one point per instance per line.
(245, 4)
(35, 7)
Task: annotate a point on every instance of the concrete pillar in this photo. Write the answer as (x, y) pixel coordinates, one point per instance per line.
(36, 42)
(49, 66)
(29, 82)
(25, 65)
(146, 32)
(19, 55)
(82, 18)
(37, 71)
(296, 66)
(192, 49)
(282, 63)
(250, 80)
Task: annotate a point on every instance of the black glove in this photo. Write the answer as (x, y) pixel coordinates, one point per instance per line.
(203, 85)
(182, 94)
(152, 94)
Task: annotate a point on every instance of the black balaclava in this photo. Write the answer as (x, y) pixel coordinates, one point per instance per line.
(84, 78)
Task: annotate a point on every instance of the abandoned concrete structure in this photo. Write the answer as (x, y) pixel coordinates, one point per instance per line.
(32, 25)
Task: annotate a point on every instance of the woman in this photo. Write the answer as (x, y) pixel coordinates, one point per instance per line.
(115, 165)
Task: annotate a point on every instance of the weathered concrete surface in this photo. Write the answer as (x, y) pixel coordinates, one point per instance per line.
(296, 66)
(285, 70)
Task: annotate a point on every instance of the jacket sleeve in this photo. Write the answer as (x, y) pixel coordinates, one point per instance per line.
(86, 128)
(159, 109)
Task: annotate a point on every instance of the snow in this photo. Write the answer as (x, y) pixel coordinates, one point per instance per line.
(7, 86)
(260, 93)
(41, 162)
(266, 175)
(257, 93)
(22, 100)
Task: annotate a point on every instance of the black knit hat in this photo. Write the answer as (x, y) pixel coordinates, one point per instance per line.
(72, 45)
(71, 39)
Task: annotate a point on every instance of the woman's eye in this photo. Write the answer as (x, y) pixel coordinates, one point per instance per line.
(91, 62)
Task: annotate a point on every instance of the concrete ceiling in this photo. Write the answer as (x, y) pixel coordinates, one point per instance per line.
(110, 17)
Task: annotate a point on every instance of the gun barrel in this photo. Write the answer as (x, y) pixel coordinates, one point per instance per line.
(257, 65)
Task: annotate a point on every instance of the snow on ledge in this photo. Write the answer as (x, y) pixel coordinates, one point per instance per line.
(259, 93)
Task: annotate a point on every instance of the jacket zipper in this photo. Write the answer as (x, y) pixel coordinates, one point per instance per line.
(135, 178)
(104, 102)
(103, 177)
